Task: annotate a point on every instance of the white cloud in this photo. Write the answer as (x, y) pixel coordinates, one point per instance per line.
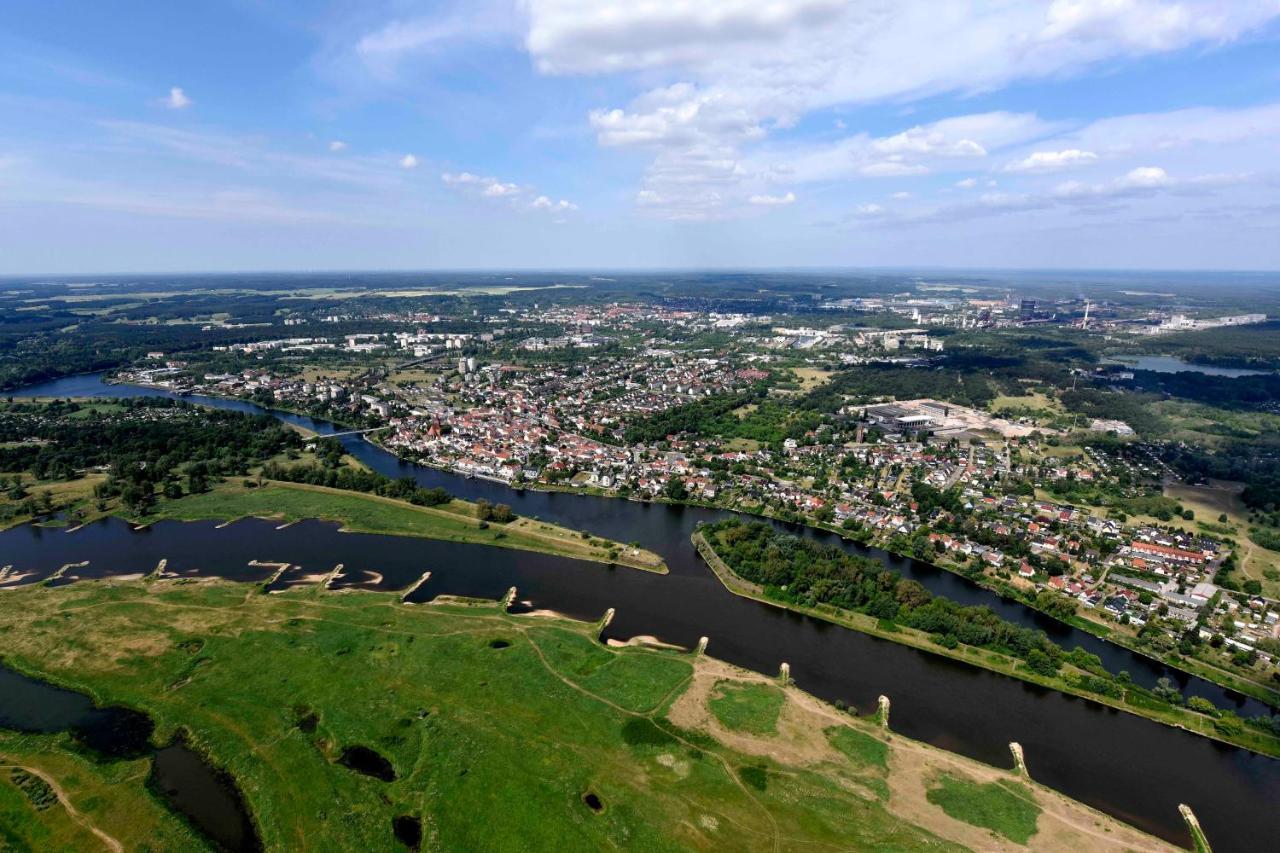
(489, 187)
(408, 161)
(892, 169)
(497, 189)
(733, 70)
(1144, 177)
(900, 196)
(773, 200)
(869, 210)
(337, 145)
(1052, 161)
(177, 99)
(544, 203)
(454, 26)
(967, 183)
(486, 186)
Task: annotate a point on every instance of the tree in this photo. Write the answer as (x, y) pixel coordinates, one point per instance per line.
(675, 490)
(502, 514)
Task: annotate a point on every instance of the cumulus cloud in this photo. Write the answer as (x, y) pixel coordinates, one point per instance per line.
(744, 67)
(542, 202)
(337, 145)
(766, 200)
(489, 187)
(408, 161)
(967, 183)
(1136, 185)
(177, 99)
(1051, 161)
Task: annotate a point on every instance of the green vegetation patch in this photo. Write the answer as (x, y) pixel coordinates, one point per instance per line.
(1005, 807)
(752, 707)
(494, 749)
(860, 748)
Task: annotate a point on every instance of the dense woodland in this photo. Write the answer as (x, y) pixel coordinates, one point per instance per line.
(800, 571)
(145, 445)
(331, 472)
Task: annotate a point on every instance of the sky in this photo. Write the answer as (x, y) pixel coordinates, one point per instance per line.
(615, 134)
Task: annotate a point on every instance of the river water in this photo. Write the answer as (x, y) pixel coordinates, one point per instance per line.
(1134, 769)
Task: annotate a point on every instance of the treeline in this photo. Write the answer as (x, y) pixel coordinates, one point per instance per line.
(691, 417)
(1133, 409)
(148, 439)
(1239, 392)
(1255, 463)
(807, 573)
(357, 480)
(1255, 346)
(802, 572)
(903, 383)
(147, 445)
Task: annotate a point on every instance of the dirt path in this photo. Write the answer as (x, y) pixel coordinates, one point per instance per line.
(724, 763)
(109, 842)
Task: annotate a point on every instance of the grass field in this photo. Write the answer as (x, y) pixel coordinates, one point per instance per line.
(95, 803)
(498, 728)
(747, 707)
(1208, 503)
(1005, 807)
(811, 377)
(455, 522)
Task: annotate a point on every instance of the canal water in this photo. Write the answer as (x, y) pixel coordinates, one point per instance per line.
(1134, 769)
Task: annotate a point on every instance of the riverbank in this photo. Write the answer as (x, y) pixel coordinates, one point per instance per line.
(1083, 621)
(456, 521)
(1256, 690)
(1200, 724)
(465, 700)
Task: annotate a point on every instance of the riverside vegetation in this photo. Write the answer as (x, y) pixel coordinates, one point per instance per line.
(755, 559)
(561, 742)
(152, 458)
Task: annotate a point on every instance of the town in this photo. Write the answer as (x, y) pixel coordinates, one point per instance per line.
(739, 411)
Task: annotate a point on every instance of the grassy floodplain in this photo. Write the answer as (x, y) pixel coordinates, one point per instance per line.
(505, 732)
(1182, 718)
(366, 513)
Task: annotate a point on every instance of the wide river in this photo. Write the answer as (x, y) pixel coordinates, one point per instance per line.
(1132, 768)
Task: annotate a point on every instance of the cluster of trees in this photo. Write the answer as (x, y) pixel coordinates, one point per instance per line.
(800, 571)
(1133, 409)
(148, 445)
(904, 383)
(1255, 346)
(1240, 392)
(499, 513)
(695, 417)
(357, 480)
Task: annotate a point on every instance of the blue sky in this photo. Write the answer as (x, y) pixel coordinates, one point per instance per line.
(254, 135)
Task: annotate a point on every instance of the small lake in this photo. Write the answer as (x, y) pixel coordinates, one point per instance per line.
(1134, 769)
(203, 795)
(1171, 364)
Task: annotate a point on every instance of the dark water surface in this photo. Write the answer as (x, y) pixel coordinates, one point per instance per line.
(1134, 769)
(201, 794)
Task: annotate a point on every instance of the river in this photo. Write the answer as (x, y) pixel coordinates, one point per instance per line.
(1132, 768)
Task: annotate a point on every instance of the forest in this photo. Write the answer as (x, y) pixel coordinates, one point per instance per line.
(332, 473)
(800, 571)
(144, 444)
